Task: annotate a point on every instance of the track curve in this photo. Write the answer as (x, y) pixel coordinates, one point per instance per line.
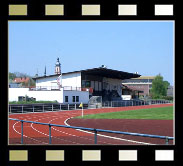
(39, 134)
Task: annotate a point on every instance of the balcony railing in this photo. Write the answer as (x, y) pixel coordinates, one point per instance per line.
(69, 88)
(44, 88)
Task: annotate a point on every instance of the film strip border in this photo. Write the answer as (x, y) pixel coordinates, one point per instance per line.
(121, 10)
(91, 10)
(89, 155)
(96, 10)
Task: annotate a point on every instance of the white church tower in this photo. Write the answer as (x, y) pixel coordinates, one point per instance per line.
(57, 67)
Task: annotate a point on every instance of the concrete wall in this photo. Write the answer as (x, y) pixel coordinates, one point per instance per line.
(39, 95)
(83, 96)
(15, 92)
(49, 82)
(49, 95)
(72, 79)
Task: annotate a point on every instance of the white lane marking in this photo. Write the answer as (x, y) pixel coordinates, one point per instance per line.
(25, 135)
(29, 126)
(73, 134)
(109, 136)
(63, 116)
(76, 135)
(48, 135)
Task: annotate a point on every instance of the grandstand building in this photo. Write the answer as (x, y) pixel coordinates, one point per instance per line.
(81, 85)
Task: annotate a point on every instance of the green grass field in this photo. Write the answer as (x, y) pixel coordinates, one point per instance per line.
(163, 113)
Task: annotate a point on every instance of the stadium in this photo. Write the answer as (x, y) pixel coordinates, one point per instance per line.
(90, 109)
(76, 86)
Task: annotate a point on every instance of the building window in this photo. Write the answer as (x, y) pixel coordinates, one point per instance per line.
(73, 99)
(66, 98)
(86, 84)
(77, 98)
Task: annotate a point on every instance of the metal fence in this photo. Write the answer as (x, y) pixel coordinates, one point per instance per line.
(166, 138)
(45, 107)
(33, 108)
(126, 103)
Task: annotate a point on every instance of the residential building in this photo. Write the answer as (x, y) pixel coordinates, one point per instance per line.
(142, 83)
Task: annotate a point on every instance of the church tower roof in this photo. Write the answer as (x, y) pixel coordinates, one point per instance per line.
(57, 63)
(57, 67)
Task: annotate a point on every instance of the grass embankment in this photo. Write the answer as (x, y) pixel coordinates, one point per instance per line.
(163, 113)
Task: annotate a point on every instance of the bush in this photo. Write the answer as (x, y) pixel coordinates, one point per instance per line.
(168, 98)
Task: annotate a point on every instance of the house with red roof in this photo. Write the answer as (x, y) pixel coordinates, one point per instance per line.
(21, 80)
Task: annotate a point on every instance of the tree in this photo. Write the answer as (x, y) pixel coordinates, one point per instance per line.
(11, 76)
(167, 84)
(159, 87)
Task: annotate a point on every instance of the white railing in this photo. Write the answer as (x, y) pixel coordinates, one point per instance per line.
(126, 103)
(42, 88)
(48, 88)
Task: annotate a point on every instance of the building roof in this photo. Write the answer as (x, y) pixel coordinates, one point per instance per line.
(40, 77)
(145, 77)
(21, 79)
(132, 88)
(110, 73)
(101, 71)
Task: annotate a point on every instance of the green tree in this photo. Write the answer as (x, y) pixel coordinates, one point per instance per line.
(166, 84)
(11, 76)
(159, 87)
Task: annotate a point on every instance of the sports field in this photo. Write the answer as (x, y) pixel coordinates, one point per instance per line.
(163, 113)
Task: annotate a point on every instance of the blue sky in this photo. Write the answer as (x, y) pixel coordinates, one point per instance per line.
(130, 46)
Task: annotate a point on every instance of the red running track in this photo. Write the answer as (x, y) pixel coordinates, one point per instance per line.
(39, 134)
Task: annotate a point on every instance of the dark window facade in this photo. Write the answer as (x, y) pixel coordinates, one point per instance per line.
(73, 99)
(66, 99)
(77, 98)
